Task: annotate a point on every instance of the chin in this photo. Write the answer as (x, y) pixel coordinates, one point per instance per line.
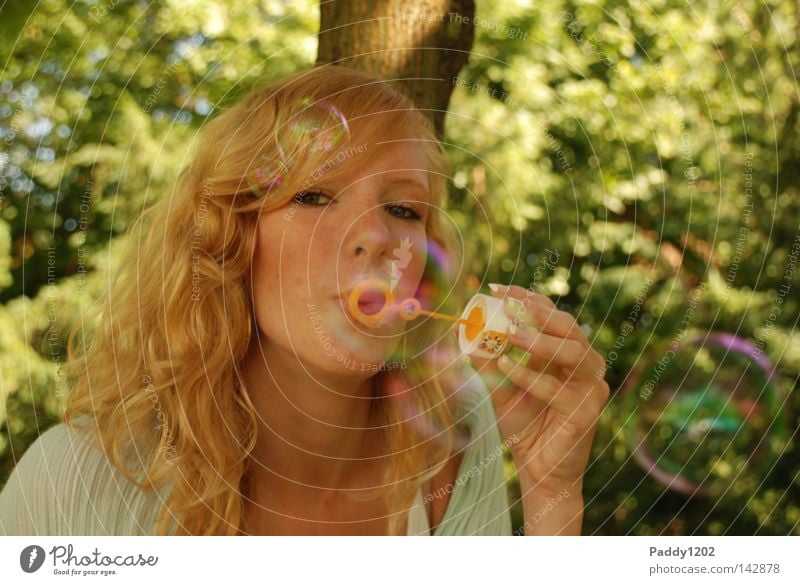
(361, 357)
(345, 347)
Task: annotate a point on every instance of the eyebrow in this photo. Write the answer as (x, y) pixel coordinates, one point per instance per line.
(412, 182)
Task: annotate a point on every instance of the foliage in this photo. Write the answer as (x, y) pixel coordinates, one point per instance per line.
(635, 161)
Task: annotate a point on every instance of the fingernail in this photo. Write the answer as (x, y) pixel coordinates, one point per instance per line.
(504, 361)
(525, 332)
(516, 310)
(494, 287)
(513, 306)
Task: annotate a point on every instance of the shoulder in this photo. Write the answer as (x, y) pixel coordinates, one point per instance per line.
(473, 482)
(65, 485)
(29, 501)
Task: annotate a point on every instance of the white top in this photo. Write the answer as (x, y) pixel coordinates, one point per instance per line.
(64, 485)
(418, 523)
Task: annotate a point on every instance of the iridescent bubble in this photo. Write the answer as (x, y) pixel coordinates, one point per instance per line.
(434, 351)
(265, 178)
(705, 412)
(426, 346)
(308, 129)
(379, 298)
(437, 283)
(397, 387)
(317, 127)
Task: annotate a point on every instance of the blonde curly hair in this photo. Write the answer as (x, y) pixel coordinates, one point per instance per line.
(158, 378)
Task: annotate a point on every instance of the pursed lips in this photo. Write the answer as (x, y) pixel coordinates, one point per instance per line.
(370, 302)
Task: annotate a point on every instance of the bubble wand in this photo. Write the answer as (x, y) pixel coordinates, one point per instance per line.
(480, 336)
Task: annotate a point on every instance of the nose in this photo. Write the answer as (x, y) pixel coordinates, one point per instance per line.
(369, 236)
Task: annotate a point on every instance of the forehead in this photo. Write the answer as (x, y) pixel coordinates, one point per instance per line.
(402, 163)
(398, 157)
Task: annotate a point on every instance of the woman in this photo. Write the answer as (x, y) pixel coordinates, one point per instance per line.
(232, 388)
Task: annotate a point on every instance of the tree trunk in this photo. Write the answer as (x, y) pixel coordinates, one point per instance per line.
(420, 46)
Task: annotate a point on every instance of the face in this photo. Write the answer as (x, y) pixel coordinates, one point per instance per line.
(339, 233)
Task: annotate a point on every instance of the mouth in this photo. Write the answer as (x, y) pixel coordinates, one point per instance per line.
(369, 302)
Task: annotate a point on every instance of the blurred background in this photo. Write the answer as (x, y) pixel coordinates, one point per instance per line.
(636, 161)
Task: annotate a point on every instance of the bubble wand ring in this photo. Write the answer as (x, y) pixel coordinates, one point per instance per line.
(355, 295)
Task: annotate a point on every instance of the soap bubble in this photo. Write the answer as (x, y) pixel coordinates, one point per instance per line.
(704, 412)
(316, 127)
(435, 293)
(308, 129)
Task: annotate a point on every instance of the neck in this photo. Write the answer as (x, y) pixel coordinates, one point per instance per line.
(313, 427)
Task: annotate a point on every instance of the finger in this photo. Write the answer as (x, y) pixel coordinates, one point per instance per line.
(556, 322)
(552, 350)
(516, 301)
(582, 403)
(539, 311)
(525, 295)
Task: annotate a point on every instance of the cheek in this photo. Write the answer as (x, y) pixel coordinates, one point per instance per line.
(263, 272)
(277, 267)
(285, 260)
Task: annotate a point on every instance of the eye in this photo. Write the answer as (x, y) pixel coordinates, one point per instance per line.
(312, 198)
(405, 212)
(308, 197)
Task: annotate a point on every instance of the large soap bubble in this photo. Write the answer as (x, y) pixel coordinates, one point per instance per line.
(704, 412)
